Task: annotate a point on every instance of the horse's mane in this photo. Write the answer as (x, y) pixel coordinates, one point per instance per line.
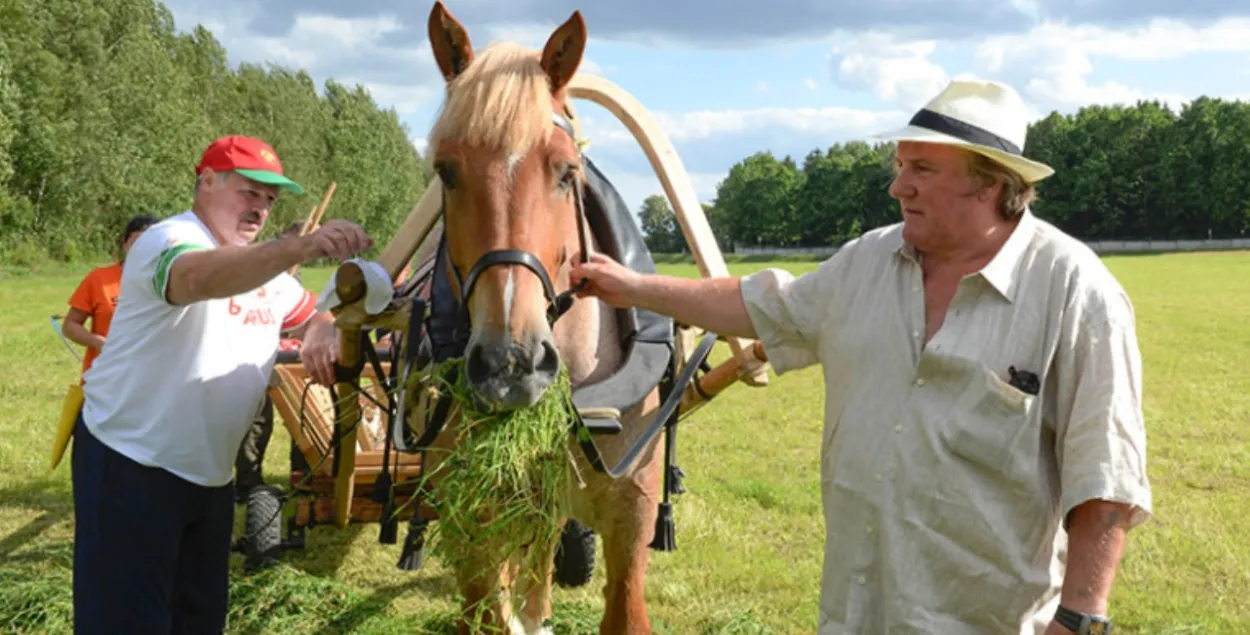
(501, 102)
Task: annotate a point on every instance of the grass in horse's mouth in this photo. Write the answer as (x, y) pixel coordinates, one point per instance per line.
(505, 483)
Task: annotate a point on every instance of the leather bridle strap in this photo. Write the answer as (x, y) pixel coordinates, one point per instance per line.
(557, 304)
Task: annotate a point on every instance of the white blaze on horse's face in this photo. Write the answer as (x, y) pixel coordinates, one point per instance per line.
(508, 177)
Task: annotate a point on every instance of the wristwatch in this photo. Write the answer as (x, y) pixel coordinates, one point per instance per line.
(1083, 623)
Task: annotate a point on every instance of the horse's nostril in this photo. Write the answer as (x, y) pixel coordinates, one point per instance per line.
(548, 359)
(475, 366)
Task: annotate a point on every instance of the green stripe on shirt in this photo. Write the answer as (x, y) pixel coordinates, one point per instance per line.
(160, 279)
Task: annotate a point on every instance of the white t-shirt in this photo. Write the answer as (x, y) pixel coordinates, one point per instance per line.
(177, 386)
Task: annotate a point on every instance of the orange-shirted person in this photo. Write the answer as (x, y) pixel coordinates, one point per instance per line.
(96, 296)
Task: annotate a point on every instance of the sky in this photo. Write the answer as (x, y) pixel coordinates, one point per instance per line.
(728, 78)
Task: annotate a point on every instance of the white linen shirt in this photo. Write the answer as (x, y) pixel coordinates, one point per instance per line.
(944, 487)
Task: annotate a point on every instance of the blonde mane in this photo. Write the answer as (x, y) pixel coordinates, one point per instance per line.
(501, 102)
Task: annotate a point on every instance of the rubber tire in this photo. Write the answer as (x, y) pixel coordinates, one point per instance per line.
(262, 542)
(575, 555)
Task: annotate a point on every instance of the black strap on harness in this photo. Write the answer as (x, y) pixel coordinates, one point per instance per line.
(665, 417)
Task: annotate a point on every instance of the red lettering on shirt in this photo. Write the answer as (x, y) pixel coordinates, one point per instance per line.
(258, 317)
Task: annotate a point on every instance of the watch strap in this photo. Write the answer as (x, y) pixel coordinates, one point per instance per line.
(1068, 618)
(1081, 623)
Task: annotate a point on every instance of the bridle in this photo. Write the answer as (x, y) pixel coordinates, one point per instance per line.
(557, 304)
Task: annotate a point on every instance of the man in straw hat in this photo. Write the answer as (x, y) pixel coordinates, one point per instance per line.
(168, 401)
(984, 450)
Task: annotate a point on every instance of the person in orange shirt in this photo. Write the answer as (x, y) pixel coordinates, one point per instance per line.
(96, 296)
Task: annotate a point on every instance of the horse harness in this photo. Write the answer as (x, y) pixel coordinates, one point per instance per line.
(426, 340)
(557, 304)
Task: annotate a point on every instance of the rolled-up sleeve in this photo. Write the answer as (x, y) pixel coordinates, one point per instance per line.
(789, 312)
(1101, 433)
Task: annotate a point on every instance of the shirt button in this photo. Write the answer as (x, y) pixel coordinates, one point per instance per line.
(868, 529)
(898, 428)
(915, 334)
(920, 381)
(878, 475)
(863, 580)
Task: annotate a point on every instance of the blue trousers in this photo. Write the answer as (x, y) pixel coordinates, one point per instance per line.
(151, 550)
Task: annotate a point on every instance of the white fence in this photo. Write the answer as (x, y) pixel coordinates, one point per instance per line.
(1100, 246)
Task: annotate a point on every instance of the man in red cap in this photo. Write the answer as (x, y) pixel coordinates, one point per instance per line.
(168, 401)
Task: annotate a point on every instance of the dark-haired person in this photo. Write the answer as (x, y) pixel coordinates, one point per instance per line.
(95, 298)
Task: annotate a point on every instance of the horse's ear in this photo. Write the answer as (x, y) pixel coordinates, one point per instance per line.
(563, 52)
(452, 49)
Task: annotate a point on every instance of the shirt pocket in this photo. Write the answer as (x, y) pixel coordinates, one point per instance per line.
(992, 425)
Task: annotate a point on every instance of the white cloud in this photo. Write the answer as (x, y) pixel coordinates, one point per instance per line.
(1052, 63)
(898, 72)
(349, 50)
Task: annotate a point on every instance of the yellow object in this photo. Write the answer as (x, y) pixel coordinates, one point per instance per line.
(69, 415)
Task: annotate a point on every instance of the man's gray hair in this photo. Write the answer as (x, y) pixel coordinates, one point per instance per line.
(1017, 193)
(224, 174)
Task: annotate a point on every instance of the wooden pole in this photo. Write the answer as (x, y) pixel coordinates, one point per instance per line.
(673, 177)
(726, 374)
(314, 218)
(350, 285)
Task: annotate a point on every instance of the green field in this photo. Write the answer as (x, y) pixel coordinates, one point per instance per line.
(749, 530)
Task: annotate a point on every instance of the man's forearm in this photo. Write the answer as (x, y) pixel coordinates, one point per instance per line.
(713, 304)
(79, 334)
(231, 270)
(1096, 534)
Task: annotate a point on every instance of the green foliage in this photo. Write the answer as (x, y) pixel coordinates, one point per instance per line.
(660, 227)
(1125, 172)
(105, 110)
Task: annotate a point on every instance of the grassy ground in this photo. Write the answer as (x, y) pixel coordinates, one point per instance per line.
(748, 529)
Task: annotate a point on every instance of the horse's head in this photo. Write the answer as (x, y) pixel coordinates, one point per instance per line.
(510, 173)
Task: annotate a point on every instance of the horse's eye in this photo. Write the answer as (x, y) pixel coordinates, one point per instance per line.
(446, 174)
(568, 177)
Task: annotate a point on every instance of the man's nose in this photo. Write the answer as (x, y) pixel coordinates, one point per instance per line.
(901, 187)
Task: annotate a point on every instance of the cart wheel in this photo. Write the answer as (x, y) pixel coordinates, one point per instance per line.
(262, 544)
(575, 555)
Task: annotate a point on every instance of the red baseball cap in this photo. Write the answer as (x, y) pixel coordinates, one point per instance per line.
(248, 156)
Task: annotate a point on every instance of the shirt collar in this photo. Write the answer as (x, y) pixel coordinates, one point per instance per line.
(1000, 272)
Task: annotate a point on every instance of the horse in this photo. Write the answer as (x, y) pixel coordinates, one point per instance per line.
(505, 149)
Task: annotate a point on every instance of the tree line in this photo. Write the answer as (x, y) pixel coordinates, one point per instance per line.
(105, 111)
(1122, 172)
(105, 108)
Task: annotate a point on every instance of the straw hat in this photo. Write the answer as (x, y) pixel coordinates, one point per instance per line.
(982, 116)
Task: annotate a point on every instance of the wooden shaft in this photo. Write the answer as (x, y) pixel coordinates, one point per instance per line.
(315, 220)
(726, 374)
(413, 231)
(350, 285)
(673, 177)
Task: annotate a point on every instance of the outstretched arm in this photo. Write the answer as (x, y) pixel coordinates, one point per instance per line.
(713, 304)
(200, 274)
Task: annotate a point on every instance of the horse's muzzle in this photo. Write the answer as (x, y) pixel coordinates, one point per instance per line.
(507, 375)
